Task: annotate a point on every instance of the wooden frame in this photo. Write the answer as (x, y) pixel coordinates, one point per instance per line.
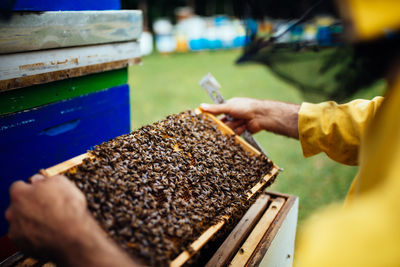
(255, 237)
(206, 236)
(231, 244)
(264, 236)
(289, 209)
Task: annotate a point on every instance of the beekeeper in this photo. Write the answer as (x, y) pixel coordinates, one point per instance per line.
(365, 232)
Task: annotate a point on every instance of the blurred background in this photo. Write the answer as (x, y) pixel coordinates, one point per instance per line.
(184, 40)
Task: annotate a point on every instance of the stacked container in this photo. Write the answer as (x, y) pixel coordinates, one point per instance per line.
(63, 84)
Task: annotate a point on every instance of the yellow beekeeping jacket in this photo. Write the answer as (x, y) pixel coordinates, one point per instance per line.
(366, 231)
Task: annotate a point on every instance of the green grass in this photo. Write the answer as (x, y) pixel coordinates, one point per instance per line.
(167, 84)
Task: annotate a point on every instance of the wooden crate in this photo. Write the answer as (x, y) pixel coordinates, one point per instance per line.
(62, 85)
(210, 232)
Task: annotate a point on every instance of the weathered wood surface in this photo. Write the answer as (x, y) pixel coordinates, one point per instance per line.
(248, 247)
(277, 246)
(43, 78)
(30, 68)
(206, 236)
(239, 233)
(44, 30)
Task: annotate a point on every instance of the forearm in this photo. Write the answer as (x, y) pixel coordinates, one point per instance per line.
(49, 219)
(278, 117)
(91, 247)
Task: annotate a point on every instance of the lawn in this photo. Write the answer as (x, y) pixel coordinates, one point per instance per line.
(166, 84)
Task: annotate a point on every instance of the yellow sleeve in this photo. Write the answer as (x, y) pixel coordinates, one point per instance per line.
(365, 233)
(335, 129)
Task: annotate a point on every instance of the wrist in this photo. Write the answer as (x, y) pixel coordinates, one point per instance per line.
(79, 243)
(279, 117)
(88, 245)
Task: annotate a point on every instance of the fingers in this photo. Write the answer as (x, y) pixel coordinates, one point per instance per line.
(70, 186)
(8, 214)
(60, 178)
(17, 189)
(63, 180)
(57, 178)
(36, 178)
(238, 126)
(17, 192)
(238, 108)
(234, 124)
(215, 109)
(12, 234)
(239, 130)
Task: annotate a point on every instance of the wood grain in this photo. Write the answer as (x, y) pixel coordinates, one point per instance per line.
(61, 63)
(239, 233)
(15, 83)
(248, 247)
(45, 30)
(264, 245)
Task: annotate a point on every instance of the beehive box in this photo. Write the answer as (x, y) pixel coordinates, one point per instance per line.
(170, 225)
(63, 85)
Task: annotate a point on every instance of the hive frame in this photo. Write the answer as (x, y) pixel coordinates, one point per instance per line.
(196, 245)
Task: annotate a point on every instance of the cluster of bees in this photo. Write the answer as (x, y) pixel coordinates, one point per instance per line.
(155, 190)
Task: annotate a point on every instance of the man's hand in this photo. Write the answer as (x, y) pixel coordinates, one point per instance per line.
(49, 218)
(255, 115)
(42, 215)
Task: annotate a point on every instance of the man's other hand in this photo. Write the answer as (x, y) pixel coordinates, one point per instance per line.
(256, 115)
(49, 219)
(45, 214)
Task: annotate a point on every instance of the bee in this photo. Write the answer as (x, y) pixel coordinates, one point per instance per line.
(153, 199)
